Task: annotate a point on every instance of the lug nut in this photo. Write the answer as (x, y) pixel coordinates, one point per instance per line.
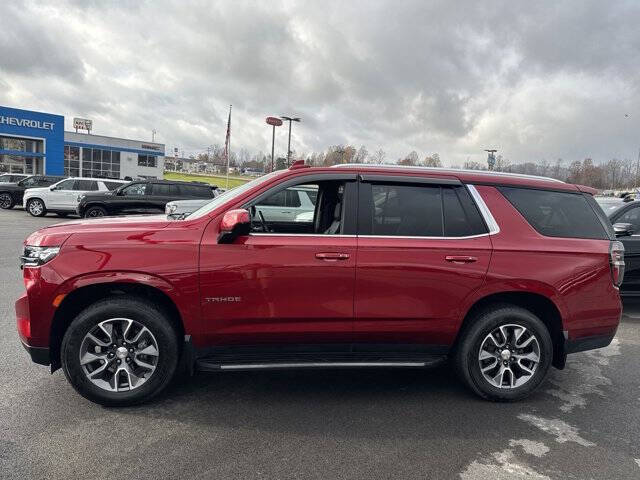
(119, 361)
(131, 350)
(110, 355)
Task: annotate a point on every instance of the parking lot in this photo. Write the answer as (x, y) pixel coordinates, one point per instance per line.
(583, 423)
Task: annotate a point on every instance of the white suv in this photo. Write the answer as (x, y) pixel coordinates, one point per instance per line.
(62, 197)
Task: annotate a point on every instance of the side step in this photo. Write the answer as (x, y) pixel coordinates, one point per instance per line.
(316, 360)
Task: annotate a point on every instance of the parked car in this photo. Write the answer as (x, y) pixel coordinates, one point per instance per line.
(178, 209)
(609, 203)
(147, 196)
(11, 193)
(503, 274)
(62, 197)
(12, 177)
(625, 218)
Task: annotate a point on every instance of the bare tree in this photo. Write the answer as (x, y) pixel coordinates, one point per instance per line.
(411, 159)
(361, 155)
(432, 161)
(378, 157)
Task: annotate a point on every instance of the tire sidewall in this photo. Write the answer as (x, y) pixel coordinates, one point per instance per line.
(470, 348)
(145, 314)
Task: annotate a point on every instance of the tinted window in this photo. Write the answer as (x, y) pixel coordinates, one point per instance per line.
(111, 185)
(631, 216)
(86, 185)
(461, 217)
(135, 189)
(195, 191)
(165, 190)
(407, 210)
(556, 214)
(66, 185)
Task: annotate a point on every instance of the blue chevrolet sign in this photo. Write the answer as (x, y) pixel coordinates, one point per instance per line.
(46, 127)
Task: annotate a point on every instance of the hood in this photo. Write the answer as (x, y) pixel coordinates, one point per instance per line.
(36, 189)
(57, 234)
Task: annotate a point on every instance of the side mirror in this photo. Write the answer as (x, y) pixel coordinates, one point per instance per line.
(52, 188)
(234, 224)
(623, 229)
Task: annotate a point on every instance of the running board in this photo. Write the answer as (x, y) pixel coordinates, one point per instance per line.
(236, 364)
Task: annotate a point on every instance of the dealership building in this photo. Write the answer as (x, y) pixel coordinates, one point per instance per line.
(36, 143)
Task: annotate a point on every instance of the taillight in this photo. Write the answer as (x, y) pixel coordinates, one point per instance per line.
(617, 263)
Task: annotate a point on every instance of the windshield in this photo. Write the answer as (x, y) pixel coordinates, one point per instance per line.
(231, 194)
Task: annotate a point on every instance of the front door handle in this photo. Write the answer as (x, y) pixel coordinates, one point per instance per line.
(460, 259)
(332, 256)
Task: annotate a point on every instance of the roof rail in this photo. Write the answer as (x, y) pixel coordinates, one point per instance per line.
(446, 170)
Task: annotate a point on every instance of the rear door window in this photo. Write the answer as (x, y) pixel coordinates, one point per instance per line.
(556, 214)
(112, 185)
(86, 185)
(165, 190)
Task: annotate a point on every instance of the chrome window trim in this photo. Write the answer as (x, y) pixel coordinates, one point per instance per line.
(258, 234)
(492, 225)
(484, 210)
(409, 237)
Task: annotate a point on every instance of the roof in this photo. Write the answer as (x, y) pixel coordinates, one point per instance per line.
(466, 176)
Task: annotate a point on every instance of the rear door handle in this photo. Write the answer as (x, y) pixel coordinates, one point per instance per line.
(460, 259)
(332, 256)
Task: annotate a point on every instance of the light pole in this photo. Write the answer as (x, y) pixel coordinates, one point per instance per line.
(289, 119)
(274, 122)
(491, 158)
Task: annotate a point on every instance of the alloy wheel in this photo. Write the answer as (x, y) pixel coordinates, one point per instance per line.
(36, 207)
(5, 200)
(119, 354)
(95, 212)
(509, 356)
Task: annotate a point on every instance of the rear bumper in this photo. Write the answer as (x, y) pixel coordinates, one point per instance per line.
(38, 355)
(588, 343)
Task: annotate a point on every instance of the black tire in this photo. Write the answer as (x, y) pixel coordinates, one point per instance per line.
(6, 201)
(93, 212)
(141, 311)
(466, 356)
(36, 207)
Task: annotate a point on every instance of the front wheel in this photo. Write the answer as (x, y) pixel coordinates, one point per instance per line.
(120, 351)
(504, 354)
(36, 207)
(6, 201)
(93, 212)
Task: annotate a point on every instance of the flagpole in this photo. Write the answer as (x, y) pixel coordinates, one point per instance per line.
(228, 144)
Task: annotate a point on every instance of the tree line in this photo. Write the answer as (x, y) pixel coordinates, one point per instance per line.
(613, 174)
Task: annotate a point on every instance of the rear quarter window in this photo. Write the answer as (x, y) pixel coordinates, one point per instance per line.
(557, 214)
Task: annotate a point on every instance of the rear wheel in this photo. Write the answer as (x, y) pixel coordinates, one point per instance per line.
(6, 201)
(505, 353)
(36, 207)
(95, 212)
(120, 351)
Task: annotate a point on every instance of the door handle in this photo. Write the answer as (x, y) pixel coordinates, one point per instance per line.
(332, 257)
(460, 259)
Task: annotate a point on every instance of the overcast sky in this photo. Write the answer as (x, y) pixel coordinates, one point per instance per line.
(537, 80)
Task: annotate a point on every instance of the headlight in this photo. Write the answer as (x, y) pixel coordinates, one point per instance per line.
(36, 256)
(169, 209)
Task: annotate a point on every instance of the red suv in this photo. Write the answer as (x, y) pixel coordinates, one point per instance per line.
(502, 274)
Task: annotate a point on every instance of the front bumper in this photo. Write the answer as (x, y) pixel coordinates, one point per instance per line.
(39, 355)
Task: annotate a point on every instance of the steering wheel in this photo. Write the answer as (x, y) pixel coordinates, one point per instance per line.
(265, 229)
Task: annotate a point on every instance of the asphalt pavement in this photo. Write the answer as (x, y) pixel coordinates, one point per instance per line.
(583, 423)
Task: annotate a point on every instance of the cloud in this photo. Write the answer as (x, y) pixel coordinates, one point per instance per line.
(534, 80)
